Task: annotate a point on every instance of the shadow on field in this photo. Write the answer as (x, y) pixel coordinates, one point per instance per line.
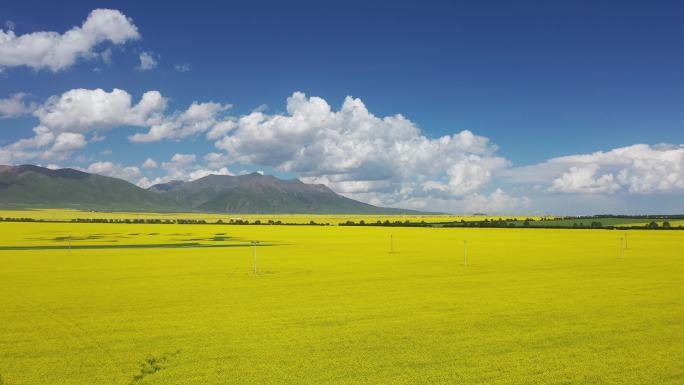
(133, 246)
(152, 365)
(114, 237)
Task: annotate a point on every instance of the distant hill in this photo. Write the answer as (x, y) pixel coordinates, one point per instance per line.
(29, 186)
(256, 193)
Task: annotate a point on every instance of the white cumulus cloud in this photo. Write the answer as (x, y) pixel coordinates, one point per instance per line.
(202, 172)
(84, 110)
(384, 160)
(16, 105)
(115, 170)
(179, 161)
(149, 163)
(57, 51)
(41, 138)
(585, 180)
(216, 160)
(148, 61)
(68, 141)
(636, 169)
(185, 167)
(42, 145)
(64, 144)
(497, 202)
(64, 119)
(221, 129)
(198, 118)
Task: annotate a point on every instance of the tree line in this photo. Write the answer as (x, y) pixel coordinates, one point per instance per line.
(486, 223)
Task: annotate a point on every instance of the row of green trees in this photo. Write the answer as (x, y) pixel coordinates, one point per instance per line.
(386, 223)
(169, 221)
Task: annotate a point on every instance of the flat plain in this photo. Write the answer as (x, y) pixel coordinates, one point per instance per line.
(180, 304)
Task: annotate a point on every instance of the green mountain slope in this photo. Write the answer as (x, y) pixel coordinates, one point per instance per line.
(30, 186)
(256, 193)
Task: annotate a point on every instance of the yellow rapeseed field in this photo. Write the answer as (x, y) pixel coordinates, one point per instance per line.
(179, 304)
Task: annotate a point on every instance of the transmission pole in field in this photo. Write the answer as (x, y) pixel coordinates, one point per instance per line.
(622, 248)
(254, 247)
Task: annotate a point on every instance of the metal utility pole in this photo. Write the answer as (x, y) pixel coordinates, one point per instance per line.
(465, 253)
(254, 247)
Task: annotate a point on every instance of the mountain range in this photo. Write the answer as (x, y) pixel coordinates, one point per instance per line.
(29, 186)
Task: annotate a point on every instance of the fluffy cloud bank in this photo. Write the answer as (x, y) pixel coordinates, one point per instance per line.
(15, 105)
(55, 51)
(114, 170)
(81, 111)
(383, 160)
(584, 180)
(149, 163)
(84, 110)
(637, 169)
(185, 167)
(198, 118)
(64, 119)
(53, 146)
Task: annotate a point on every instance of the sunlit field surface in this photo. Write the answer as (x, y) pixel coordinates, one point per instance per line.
(180, 304)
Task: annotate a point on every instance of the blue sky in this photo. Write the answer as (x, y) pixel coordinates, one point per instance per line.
(534, 80)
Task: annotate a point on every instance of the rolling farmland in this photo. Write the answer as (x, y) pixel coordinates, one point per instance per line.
(341, 193)
(180, 304)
